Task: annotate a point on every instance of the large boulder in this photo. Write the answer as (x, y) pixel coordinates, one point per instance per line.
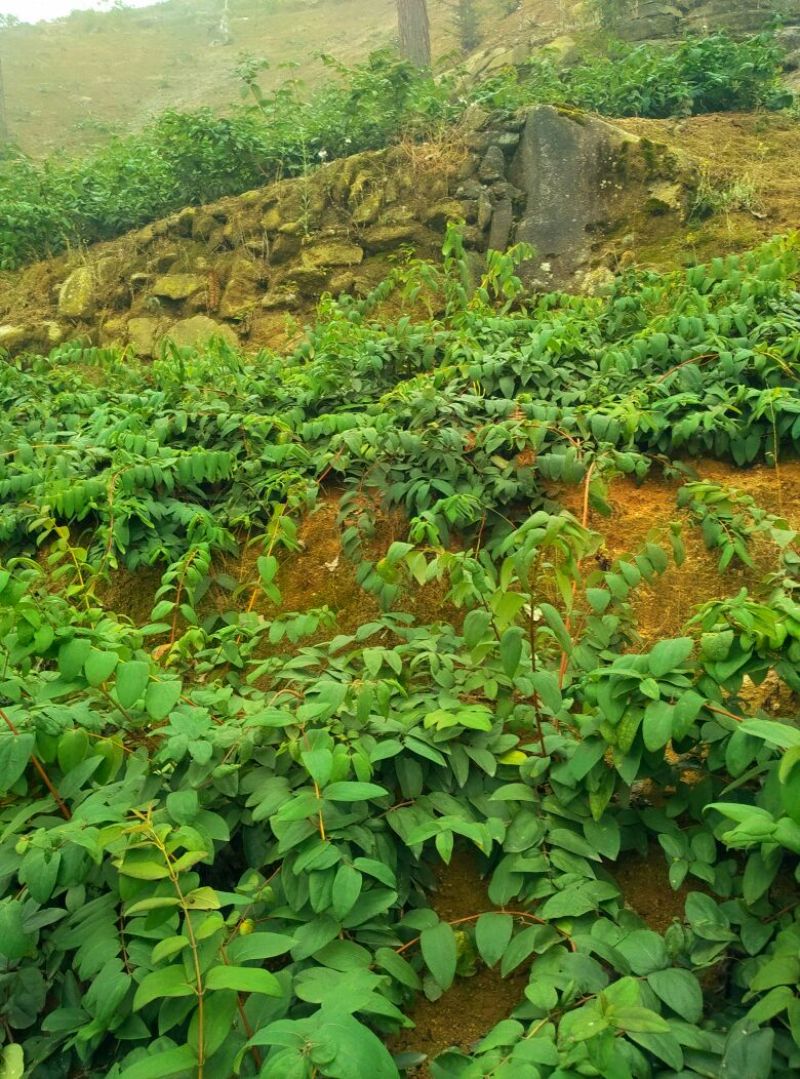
(77, 296)
(199, 331)
(570, 167)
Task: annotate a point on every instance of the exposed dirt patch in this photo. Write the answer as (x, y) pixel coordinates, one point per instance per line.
(644, 881)
(469, 1010)
(642, 512)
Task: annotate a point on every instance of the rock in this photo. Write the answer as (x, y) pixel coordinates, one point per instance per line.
(651, 19)
(280, 298)
(343, 281)
(107, 270)
(13, 337)
(665, 198)
(564, 50)
(198, 331)
(386, 237)
(334, 253)
(493, 165)
(485, 211)
(597, 281)
(163, 262)
(368, 209)
(573, 169)
(177, 286)
(438, 215)
(507, 141)
(474, 118)
(53, 333)
(502, 224)
(77, 296)
(243, 290)
(142, 334)
(272, 219)
(470, 189)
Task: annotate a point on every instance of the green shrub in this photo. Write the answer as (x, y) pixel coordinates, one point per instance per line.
(220, 830)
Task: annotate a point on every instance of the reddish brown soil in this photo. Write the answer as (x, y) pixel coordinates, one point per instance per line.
(469, 1010)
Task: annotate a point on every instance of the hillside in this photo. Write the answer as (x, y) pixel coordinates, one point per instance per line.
(65, 89)
(400, 566)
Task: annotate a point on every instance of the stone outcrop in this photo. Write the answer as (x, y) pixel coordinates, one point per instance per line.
(235, 269)
(584, 179)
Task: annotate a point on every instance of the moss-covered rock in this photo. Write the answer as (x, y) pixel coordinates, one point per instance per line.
(77, 296)
(177, 286)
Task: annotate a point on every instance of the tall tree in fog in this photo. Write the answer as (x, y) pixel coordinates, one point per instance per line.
(415, 31)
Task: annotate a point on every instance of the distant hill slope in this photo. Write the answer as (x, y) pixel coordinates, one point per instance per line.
(72, 83)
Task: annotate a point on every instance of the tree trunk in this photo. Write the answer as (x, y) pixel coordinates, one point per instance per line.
(415, 33)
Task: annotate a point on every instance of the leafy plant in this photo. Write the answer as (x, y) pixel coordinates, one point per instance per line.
(219, 829)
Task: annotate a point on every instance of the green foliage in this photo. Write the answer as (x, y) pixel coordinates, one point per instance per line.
(219, 831)
(191, 158)
(711, 74)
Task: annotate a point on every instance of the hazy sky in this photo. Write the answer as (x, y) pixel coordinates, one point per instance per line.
(33, 10)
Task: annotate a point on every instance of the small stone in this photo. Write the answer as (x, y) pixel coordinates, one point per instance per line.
(502, 223)
(493, 166)
(163, 262)
(438, 215)
(333, 254)
(665, 198)
(13, 337)
(199, 331)
(272, 219)
(280, 298)
(485, 210)
(178, 286)
(107, 270)
(507, 141)
(386, 237)
(142, 333)
(76, 297)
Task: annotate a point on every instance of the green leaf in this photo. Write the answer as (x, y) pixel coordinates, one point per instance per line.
(492, 935)
(440, 952)
(15, 752)
(398, 967)
(634, 1019)
(132, 678)
(777, 734)
(657, 725)
(353, 792)
(72, 656)
(14, 941)
(748, 1053)
(680, 990)
(346, 889)
(100, 666)
(644, 950)
(12, 1062)
(666, 656)
(259, 946)
(571, 903)
(511, 650)
(545, 683)
(243, 980)
(162, 1065)
(169, 982)
(160, 698)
